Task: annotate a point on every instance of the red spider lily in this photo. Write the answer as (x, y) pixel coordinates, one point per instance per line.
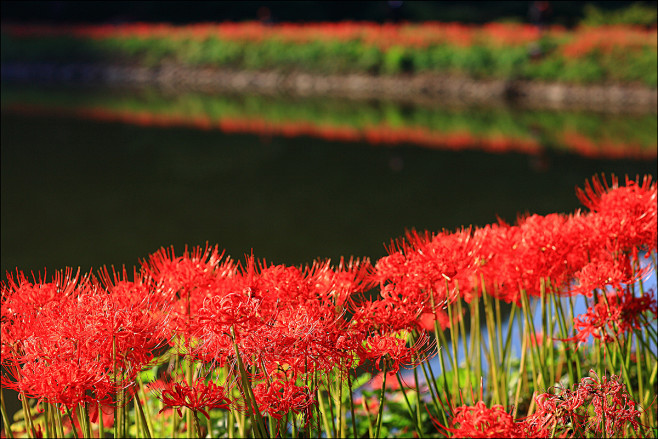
(67, 381)
(283, 315)
(613, 315)
(426, 320)
(279, 398)
(23, 301)
(197, 397)
(521, 257)
(602, 271)
(391, 352)
(584, 408)
(81, 346)
(625, 217)
(424, 272)
(586, 40)
(194, 269)
(193, 277)
(479, 421)
(611, 403)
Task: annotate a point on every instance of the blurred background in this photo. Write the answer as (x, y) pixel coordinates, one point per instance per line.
(99, 174)
(182, 12)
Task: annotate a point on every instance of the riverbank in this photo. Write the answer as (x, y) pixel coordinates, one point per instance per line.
(418, 89)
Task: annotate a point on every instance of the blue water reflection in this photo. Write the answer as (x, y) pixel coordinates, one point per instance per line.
(579, 304)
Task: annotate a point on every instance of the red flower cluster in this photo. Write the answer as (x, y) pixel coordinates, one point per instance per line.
(613, 315)
(479, 421)
(74, 339)
(198, 396)
(383, 36)
(586, 40)
(578, 43)
(287, 323)
(593, 250)
(281, 397)
(589, 407)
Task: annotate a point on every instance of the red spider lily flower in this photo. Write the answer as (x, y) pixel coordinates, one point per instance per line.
(342, 282)
(626, 216)
(184, 273)
(582, 409)
(426, 320)
(479, 421)
(197, 397)
(282, 397)
(538, 249)
(84, 345)
(393, 352)
(193, 277)
(23, 301)
(442, 265)
(106, 410)
(605, 269)
(613, 315)
(556, 410)
(284, 315)
(611, 403)
(64, 380)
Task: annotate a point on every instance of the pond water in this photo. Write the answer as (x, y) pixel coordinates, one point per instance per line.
(94, 177)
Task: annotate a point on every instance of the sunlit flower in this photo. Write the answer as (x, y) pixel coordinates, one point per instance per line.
(479, 421)
(613, 315)
(197, 397)
(589, 407)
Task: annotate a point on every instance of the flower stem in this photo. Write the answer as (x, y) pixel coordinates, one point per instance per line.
(409, 408)
(381, 403)
(349, 383)
(5, 417)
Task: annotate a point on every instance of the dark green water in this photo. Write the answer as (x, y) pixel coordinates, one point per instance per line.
(78, 192)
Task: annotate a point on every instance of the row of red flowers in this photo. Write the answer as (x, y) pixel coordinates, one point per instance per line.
(76, 339)
(579, 42)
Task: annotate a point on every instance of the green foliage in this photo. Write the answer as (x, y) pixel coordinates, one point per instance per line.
(635, 14)
(540, 60)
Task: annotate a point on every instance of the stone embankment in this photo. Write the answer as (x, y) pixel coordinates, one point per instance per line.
(414, 89)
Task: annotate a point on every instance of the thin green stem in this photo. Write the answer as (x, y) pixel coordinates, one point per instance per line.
(5, 417)
(382, 400)
(197, 424)
(142, 419)
(349, 383)
(409, 408)
(367, 410)
(256, 417)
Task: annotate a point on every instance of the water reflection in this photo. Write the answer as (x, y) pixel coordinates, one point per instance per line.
(78, 190)
(377, 123)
